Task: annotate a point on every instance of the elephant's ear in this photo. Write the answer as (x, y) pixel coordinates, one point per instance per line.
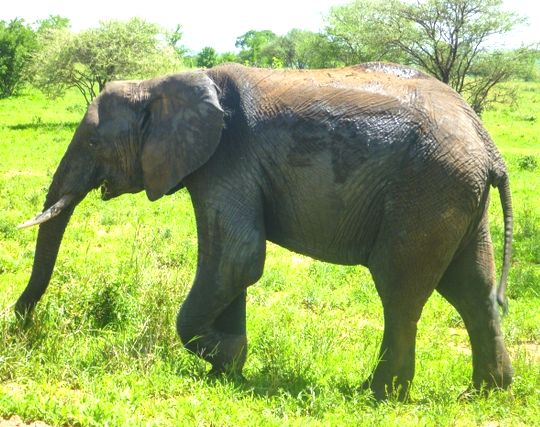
(181, 130)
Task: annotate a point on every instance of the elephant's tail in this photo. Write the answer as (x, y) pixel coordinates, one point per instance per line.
(506, 202)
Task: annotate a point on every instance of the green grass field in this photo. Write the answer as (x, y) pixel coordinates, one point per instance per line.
(103, 348)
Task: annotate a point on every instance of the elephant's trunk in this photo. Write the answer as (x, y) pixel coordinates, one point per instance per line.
(65, 193)
(47, 246)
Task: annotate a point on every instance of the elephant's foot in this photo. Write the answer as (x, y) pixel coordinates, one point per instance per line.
(24, 311)
(226, 352)
(385, 386)
(229, 356)
(388, 390)
(492, 370)
(473, 392)
(227, 374)
(493, 381)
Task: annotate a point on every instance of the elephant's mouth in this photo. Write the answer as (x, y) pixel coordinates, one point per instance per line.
(106, 193)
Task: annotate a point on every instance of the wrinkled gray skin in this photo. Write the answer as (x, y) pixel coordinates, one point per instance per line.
(377, 165)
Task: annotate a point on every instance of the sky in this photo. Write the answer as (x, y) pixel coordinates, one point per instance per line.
(217, 23)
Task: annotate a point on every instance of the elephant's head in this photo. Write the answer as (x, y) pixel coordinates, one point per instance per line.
(135, 135)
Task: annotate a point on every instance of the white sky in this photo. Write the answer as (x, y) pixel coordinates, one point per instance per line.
(217, 23)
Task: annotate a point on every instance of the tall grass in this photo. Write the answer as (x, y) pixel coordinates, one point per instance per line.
(103, 350)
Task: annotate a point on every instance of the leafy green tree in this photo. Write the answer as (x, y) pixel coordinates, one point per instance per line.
(446, 38)
(53, 22)
(88, 60)
(174, 38)
(251, 45)
(482, 87)
(207, 57)
(17, 43)
(227, 57)
(296, 49)
(305, 49)
(359, 31)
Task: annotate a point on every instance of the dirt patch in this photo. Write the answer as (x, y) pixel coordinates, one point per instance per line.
(16, 421)
(531, 350)
(459, 343)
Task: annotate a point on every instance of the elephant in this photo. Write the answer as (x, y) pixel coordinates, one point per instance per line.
(376, 164)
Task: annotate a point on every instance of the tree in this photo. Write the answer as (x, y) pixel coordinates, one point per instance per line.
(482, 86)
(446, 38)
(227, 57)
(207, 57)
(173, 39)
(251, 44)
(358, 31)
(53, 22)
(88, 60)
(17, 43)
(305, 49)
(296, 49)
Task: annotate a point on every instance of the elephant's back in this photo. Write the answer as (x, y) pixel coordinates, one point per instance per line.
(404, 106)
(363, 83)
(351, 94)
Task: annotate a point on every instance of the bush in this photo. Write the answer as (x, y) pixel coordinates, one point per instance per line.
(528, 163)
(17, 42)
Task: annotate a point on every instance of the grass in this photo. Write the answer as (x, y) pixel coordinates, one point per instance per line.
(103, 348)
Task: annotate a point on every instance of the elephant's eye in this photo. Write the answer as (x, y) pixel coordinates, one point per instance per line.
(93, 142)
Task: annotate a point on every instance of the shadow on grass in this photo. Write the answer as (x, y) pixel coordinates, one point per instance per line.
(46, 126)
(268, 384)
(265, 384)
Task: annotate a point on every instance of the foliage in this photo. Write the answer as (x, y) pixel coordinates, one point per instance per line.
(446, 38)
(528, 162)
(302, 49)
(88, 60)
(227, 57)
(207, 57)
(53, 22)
(359, 32)
(251, 45)
(296, 49)
(481, 86)
(174, 38)
(17, 42)
(103, 350)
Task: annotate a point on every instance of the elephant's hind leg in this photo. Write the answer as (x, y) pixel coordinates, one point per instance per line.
(410, 256)
(469, 285)
(403, 295)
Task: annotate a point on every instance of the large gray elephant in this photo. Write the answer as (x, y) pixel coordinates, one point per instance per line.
(376, 164)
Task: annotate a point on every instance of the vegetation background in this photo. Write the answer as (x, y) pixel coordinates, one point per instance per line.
(103, 349)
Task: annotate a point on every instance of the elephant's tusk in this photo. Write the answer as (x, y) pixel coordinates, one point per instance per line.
(50, 213)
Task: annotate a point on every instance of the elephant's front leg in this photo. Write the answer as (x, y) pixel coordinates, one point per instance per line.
(221, 341)
(211, 322)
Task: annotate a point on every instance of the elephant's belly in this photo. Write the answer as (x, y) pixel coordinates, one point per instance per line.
(346, 255)
(328, 204)
(327, 230)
